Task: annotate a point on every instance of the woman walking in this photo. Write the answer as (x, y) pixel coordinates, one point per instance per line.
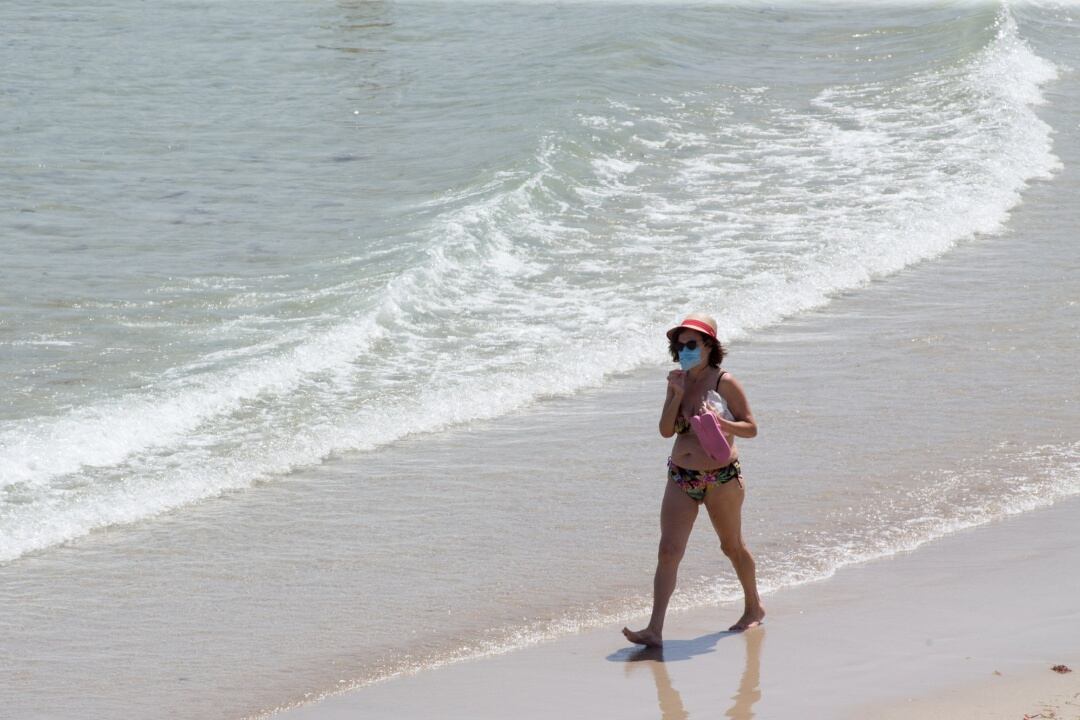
(695, 477)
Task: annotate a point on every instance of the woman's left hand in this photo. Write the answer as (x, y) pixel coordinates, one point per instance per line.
(725, 425)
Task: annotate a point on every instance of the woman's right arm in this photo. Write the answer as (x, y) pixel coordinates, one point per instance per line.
(671, 404)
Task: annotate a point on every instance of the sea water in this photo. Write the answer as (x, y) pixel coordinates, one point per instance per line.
(332, 334)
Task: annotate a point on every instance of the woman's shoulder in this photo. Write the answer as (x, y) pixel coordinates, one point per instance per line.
(725, 378)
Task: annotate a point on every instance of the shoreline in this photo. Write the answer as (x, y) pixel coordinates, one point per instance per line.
(243, 648)
(877, 635)
(253, 647)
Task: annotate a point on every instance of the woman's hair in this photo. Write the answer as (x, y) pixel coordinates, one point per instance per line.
(717, 353)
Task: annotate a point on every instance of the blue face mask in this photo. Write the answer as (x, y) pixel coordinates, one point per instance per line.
(689, 358)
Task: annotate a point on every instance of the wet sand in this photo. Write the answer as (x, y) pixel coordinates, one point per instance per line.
(975, 618)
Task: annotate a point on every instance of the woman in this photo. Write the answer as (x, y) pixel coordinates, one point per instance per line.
(693, 476)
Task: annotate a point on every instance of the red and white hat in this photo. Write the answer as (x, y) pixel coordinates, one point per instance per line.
(695, 321)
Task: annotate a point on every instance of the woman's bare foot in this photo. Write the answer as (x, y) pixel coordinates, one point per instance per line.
(644, 637)
(750, 619)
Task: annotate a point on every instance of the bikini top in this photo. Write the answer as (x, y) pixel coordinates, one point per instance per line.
(682, 424)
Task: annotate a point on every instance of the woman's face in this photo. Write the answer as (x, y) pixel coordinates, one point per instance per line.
(691, 342)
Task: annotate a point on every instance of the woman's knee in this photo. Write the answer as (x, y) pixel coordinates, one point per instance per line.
(671, 551)
(732, 547)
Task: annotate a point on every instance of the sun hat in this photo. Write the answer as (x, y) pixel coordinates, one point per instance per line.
(695, 321)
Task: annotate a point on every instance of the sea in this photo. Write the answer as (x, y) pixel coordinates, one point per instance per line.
(332, 332)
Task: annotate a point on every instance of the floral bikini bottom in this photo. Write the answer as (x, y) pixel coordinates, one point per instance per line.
(695, 482)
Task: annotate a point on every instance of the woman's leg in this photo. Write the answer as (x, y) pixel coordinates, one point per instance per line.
(677, 514)
(724, 503)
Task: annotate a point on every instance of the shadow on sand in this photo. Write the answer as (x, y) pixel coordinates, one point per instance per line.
(671, 705)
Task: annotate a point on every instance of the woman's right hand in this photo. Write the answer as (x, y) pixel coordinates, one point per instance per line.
(676, 381)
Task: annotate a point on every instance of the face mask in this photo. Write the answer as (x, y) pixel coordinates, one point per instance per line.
(689, 358)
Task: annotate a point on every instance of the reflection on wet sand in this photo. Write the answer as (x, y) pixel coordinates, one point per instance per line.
(671, 707)
(669, 699)
(749, 691)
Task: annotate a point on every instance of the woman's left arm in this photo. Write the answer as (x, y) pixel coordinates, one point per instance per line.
(743, 425)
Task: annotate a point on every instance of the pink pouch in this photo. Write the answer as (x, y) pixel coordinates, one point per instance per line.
(712, 439)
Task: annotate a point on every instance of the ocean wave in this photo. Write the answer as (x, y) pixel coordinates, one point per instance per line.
(558, 272)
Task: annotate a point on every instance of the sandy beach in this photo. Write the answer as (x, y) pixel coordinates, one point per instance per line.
(966, 627)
